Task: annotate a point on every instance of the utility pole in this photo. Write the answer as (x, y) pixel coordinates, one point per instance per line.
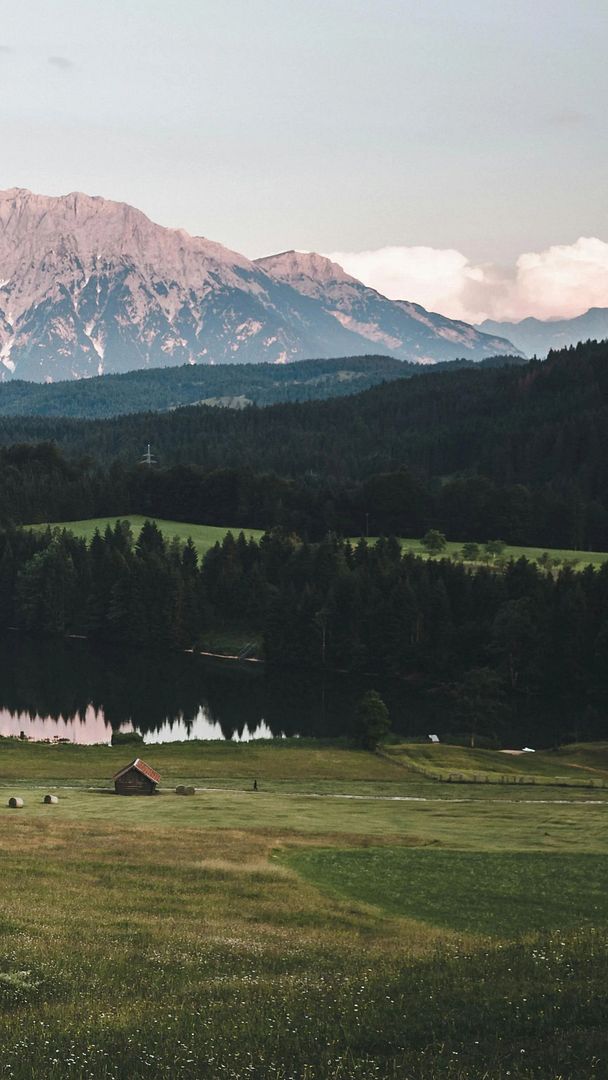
(147, 458)
(321, 620)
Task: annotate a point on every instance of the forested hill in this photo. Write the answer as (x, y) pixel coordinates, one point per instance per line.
(543, 422)
(228, 385)
(515, 453)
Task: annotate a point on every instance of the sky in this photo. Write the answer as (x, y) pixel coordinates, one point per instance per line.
(451, 152)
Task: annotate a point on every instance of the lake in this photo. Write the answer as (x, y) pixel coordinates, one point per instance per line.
(70, 689)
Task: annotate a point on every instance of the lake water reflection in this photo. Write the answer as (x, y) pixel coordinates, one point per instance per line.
(70, 690)
(94, 728)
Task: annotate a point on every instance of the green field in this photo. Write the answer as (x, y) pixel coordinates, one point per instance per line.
(570, 765)
(499, 894)
(453, 549)
(205, 536)
(412, 930)
(302, 763)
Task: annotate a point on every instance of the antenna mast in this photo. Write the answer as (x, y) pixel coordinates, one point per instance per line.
(147, 458)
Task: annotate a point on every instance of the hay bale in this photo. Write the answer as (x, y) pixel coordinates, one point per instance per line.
(50, 800)
(15, 802)
(180, 790)
(189, 791)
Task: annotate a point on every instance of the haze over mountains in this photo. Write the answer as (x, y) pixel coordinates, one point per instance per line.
(536, 337)
(89, 286)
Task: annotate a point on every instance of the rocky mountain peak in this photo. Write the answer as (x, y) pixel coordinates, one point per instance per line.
(89, 285)
(299, 265)
(93, 227)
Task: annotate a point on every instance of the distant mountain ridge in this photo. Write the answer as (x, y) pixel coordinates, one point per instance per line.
(536, 337)
(226, 385)
(396, 325)
(89, 286)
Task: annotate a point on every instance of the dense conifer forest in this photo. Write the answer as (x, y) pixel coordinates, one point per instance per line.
(488, 645)
(230, 385)
(519, 453)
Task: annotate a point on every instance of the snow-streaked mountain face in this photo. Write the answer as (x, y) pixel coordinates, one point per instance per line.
(88, 286)
(400, 328)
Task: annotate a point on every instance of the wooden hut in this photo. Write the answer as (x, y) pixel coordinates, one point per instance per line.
(136, 778)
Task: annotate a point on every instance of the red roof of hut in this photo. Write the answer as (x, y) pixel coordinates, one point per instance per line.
(141, 767)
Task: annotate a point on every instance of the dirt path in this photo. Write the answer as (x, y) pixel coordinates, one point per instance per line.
(587, 768)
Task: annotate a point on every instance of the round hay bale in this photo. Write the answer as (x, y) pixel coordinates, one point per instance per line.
(189, 791)
(15, 802)
(50, 800)
(180, 790)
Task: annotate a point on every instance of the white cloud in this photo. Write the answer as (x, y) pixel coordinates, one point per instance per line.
(563, 281)
(61, 62)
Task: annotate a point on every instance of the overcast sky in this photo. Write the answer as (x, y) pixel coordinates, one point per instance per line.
(455, 133)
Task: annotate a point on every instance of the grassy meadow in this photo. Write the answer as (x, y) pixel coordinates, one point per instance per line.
(499, 893)
(453, 550)
(565, 767)
(205, 536)
(354, 918)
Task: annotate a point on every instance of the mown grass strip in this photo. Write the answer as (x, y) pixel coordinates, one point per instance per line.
(500, 894)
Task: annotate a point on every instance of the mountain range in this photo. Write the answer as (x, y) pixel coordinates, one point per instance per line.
(89, 286)
(536, 337)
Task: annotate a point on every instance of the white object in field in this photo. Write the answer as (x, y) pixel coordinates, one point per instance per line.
(15, 803)
(50, 800)
(528, 750)
(434, 738)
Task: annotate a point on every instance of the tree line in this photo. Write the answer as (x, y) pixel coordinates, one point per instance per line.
(168, 388)
(487, 644)
(39, 484)
(520, 453)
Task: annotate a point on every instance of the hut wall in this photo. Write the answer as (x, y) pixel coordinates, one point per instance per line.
(134, 783)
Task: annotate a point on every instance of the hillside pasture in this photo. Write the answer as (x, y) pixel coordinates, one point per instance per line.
(453, 550)
(205, 536)
(569, 765)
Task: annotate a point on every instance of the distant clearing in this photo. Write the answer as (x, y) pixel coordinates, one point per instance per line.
(453, 549)
(205, 536)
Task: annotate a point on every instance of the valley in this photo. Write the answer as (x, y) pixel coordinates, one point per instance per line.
(304, 541)
(326, 919)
